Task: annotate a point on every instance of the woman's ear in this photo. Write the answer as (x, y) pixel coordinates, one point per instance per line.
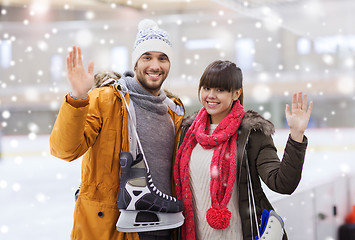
(236, 94)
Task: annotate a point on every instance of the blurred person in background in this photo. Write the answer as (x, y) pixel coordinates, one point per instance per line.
(210, 168)
(93, 122)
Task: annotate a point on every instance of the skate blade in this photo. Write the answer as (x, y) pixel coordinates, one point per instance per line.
(143, 221)
(273, 229)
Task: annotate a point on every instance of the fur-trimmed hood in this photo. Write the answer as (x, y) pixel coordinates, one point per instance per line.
(251, 121)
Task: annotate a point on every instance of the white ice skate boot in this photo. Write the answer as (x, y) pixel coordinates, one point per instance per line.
(271, 226)
(142, 206)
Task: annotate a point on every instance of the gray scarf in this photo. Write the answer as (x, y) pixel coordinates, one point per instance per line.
(146, 100)
(157, 135)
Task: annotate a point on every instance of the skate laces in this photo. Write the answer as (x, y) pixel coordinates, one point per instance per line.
(156, 190)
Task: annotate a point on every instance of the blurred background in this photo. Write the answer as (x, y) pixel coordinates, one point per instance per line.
(282, 47)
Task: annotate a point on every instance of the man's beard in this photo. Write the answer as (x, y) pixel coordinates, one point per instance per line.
(149, 87)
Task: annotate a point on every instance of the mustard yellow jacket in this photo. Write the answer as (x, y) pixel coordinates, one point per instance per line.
(98, 129)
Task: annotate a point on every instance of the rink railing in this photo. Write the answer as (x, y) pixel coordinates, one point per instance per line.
(315, 213)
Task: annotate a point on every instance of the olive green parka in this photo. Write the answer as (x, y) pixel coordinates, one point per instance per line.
(255, 145)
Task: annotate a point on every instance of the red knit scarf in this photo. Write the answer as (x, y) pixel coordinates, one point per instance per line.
(223, 167)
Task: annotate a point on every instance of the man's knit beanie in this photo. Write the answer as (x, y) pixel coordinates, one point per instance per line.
(151, 38)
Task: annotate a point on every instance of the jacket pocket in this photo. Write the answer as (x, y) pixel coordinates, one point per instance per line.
(94, 220)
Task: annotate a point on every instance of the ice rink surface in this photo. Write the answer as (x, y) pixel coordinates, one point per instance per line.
(37, 189)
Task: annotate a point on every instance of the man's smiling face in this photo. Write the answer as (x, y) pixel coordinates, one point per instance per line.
(151, 70)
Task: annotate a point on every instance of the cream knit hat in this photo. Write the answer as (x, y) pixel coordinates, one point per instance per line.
(150, 38)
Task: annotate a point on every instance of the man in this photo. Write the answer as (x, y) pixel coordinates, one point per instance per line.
(96, 124)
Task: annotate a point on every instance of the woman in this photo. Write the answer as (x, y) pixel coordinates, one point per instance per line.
(210, 168)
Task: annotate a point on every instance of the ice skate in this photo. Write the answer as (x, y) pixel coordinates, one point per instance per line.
(271, 226)
(142, 206)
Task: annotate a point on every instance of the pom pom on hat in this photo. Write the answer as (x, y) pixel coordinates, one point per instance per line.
(151, 38)
(146, 24)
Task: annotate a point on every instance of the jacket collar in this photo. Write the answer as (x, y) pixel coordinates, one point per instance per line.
(254, 121)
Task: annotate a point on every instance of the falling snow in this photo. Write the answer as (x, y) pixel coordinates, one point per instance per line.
(37, 189)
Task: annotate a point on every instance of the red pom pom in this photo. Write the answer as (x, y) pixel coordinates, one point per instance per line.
(218, 219)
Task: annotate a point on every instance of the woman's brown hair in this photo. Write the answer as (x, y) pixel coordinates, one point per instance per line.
(224, 75)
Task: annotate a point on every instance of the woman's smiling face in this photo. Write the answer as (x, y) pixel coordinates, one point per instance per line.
(218, 102)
